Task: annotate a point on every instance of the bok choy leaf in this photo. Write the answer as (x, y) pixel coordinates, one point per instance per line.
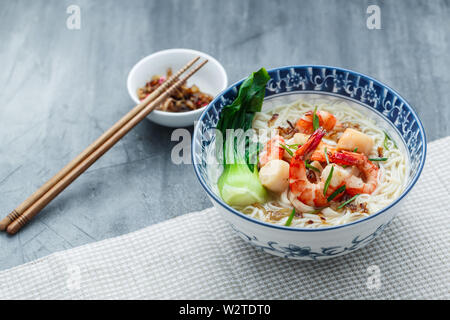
(239, 184)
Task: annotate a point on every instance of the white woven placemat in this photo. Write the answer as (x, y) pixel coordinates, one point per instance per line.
(197, 256)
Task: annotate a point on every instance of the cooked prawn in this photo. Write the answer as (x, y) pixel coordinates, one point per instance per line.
(319, 153)
(272, 150)
(300, 187)
(355, 185)
(326, 121)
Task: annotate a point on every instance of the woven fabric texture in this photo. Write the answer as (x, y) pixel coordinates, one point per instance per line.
(197, 256)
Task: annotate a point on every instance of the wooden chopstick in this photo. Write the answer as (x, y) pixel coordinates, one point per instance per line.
(64, 180)
(105, 136)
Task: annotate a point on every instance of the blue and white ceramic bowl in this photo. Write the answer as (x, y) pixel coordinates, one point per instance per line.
(388, 108)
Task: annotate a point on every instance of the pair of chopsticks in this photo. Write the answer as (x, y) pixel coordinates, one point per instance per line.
(38, 200)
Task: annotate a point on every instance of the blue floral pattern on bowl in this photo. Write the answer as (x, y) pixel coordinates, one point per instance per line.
(295, 251)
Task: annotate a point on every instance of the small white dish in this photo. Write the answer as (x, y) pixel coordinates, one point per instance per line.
(211, 79)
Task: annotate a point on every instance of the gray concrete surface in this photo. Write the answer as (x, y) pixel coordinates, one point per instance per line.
(61, 88)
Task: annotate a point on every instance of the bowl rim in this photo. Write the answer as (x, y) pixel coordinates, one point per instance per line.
(210, 59)
(322, 229)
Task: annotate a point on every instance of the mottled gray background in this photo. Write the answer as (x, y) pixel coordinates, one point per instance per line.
(60, 89)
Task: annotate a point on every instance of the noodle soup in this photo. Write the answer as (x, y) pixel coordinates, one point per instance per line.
(270, 206)
(284, 206)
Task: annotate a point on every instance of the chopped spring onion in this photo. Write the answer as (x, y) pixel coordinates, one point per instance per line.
(356, 149)
(327, 183)
(295, 145)
(334, 194)
(316, 123)
(307, 165)
(378, 159)
(348, 201)
(386, 138)
(289, 220)
(326, 155)
(287, 149)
